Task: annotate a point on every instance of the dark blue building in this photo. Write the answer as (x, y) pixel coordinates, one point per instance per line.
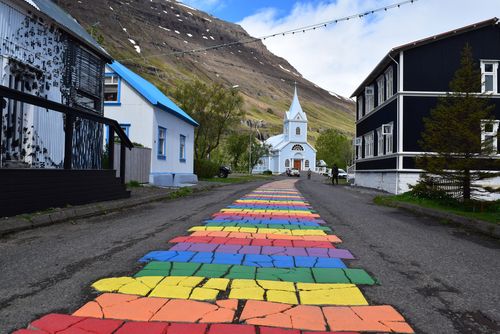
(402, 90)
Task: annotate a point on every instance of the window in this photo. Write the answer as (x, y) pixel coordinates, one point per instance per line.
(389, 140)
(489, 136)
(287, 163)
(489, 81)
(297, 131)
(360, 107)
(368, 145)
(306, 164)
(162, 143)
(369, 99)
(111, 88)
(297, 147)
(88, 79)
(389, 81)
(125, 128)
(357, 143)
(380, 142)
(182, 148)
(381, 90)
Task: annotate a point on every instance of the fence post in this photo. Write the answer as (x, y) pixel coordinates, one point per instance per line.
(3, 104)
(122, 162)
(68, 140)
(111, 148)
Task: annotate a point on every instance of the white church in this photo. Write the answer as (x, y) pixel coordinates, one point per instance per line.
(290, 149)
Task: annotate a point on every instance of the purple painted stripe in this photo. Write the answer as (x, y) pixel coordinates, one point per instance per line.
(263, 250)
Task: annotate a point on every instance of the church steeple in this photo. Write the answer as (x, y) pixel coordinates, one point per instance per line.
(296, 108)
(295, 122)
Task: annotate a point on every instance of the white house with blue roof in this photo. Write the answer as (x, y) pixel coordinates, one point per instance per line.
(290, 149)
(151, 119)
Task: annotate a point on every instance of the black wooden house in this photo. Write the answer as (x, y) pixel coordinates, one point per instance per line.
(403, 88)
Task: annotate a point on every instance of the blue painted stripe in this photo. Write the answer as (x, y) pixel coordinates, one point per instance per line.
(253, 260)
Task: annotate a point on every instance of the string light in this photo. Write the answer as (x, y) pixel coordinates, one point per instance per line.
(284, 33)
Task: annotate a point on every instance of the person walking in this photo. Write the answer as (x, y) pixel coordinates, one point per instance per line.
(335, 174)
(309, 174)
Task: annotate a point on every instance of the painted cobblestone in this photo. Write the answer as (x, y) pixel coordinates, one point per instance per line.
(264, 265)
(201, 288)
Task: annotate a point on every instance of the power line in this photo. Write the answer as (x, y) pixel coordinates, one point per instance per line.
(280, 34)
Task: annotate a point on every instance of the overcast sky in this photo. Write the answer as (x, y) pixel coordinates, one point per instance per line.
(339, 57)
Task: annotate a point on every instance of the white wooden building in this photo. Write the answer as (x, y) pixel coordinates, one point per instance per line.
(151, 119)
(290, 149)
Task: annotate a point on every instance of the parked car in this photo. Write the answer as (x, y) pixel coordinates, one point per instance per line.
(294, 172)
(342, 174)
(224, 171)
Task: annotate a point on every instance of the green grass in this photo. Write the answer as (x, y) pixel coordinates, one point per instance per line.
(491, 215)
(238, 178)
(182, 192)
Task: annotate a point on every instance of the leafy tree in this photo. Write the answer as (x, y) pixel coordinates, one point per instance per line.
(237, 147)
(334, 148)
(215, 108)
(258, 150)
(453, 130)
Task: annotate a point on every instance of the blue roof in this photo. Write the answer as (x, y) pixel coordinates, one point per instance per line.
(150, 92)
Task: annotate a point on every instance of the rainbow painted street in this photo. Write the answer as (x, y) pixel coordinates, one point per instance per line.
(267, 264)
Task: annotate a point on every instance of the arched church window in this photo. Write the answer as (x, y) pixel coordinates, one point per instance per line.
(306, 164)
(297, 131)
(297, 147)
(287, 163)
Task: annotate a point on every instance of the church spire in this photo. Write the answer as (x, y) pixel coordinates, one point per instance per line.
(296, 108)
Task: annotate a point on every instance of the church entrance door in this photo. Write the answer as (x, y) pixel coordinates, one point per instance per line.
(297, 164)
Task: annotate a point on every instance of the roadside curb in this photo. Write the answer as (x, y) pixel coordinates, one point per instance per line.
(469, 223)
(20, 223)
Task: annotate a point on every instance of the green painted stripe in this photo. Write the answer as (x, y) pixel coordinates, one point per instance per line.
(304, 275)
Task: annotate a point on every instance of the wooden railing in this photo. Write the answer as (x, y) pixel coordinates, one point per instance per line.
(71, 114)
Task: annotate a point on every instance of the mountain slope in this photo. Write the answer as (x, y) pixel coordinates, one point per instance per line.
(136, 31)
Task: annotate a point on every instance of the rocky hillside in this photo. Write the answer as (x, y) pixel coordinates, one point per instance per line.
(143, 34)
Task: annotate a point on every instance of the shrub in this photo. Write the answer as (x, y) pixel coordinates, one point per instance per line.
(267, 172)
(428, 189)
(206, 169)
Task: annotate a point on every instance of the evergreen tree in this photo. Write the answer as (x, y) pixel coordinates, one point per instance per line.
(452, 132)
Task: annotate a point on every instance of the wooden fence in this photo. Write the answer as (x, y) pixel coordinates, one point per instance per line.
(138, 162)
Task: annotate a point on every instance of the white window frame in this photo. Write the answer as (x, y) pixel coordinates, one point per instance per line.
(360, 107)
(494, 75)
(162, 143)
(389, 82)
(389, 140)
(493, 134)
(358, 142)
(112, 80)
(380, 142)
(182, 148)
(381, 90)
(369, 99)
(369, 138)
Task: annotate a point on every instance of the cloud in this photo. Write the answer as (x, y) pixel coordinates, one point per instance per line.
(340, 56)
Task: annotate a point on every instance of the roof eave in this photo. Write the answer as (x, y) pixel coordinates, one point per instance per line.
(395, 51)
(102, 52)
(176, 114)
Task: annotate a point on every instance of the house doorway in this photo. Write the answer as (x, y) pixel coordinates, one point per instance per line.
(297, 164)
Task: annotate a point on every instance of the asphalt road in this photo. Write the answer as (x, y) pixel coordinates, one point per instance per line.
(442, 279)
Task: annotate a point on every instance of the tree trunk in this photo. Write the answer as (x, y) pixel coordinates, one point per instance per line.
(466, 185)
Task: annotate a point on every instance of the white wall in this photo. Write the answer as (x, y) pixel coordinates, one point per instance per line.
(175, 127)
(134, 110)
(307, 154)
(144, 120)
(386, 181)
